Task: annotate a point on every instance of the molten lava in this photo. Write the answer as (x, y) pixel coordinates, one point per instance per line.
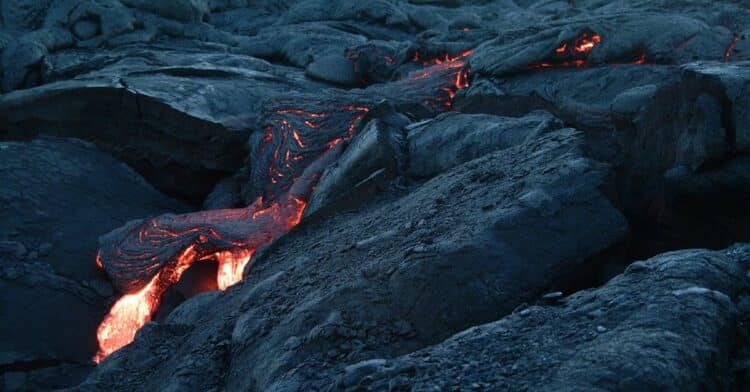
(134, 310)
(301, 137)
(572, 54)
(575, 54)
(445, 58)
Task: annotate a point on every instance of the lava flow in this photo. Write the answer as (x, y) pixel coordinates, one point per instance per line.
(301, 136)
(575, 54)
(572, 54)
(203, 237)
(730, 48)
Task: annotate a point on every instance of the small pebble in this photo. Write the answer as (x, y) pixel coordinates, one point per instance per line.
(601, 329)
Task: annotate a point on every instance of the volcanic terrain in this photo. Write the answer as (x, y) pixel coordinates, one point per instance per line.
(427, 195)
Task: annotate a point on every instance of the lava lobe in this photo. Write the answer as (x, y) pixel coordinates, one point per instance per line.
(301, 136)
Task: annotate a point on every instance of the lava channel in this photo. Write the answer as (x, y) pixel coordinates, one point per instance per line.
(144, 258)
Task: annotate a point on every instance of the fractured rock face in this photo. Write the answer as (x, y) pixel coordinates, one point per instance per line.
(140, 115)
(681, 150)
(375, 155)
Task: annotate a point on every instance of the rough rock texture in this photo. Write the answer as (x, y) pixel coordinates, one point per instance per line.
(473, 235)
(667, 323)
(57, 196)
(439, 144)
(580, 135)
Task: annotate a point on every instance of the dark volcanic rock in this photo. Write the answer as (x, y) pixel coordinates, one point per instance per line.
(452, 138)
(391, 278)
(581, 135)
(139, 107)
(334, 69)
(376, 155)
(682, 150)
(666, 324)
(57, 196)
(60, 194)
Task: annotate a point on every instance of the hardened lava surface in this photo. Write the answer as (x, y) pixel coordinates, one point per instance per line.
(421, 195)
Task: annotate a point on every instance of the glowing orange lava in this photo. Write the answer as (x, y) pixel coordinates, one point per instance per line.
(571, 54)
(269, 220)
(231, 265)
(132, 311)
(641, 59)
(584, 44)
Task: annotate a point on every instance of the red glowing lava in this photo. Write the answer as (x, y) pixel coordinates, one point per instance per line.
(571, 54)
(135, 309)
(575, 54)
(144, 258)
(730, 48)
(584, 44)
(445, 58)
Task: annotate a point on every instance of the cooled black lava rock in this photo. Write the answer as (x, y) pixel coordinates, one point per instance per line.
(667, 323)
(57, 196)
(465, 247)
(590, 133)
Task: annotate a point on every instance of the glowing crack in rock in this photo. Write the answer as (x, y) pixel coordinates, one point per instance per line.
(573, 53)
(730, 48)
(300, 137)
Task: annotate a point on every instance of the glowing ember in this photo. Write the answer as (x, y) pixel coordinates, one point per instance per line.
(641, 59)
(575, 54)
(445, 58)
(730, 48)
(584, 44)
(572, 54)
(144, 258)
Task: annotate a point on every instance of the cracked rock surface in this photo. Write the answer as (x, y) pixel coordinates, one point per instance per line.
(563, 207)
